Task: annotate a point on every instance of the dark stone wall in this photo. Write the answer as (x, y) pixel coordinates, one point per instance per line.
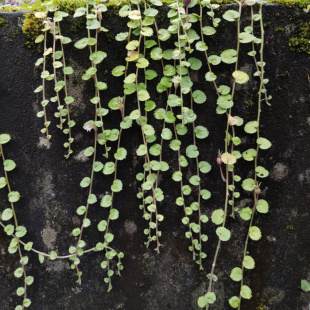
(50, 190)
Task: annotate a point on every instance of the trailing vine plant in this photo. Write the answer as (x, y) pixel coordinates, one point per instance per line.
(173, 47)
(225, 104)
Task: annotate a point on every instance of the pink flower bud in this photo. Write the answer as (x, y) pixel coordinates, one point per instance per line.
(187, 2)
(219, 161)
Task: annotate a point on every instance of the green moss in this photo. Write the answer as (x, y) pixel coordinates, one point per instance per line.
(261, 305)
(278, 29)
(285, 74)
(37, 6)
(292, 3)
(300, 42)
(69, 6)
(78, 25)
(2, 22)
(249, 103)
(32, 27)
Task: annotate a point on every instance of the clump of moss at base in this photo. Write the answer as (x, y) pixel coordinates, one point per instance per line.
(300, 42)
(32, 28)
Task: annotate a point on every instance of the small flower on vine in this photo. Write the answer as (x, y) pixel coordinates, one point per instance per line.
(96, 10)
(89, 127)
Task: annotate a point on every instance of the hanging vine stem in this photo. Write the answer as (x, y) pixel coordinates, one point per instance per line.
(199, 248)
(176, 137)
(122, 110)
(229, 117)
(87, 205)
(227, 170)
(180, 59)
(53, 30)
(206, 53)
(256, 187)
(182, 194)
(16, 225)
(254, 57)
(199, 186)
(46, 254)
(44, 101)
(147, 153)
(70, 140)
(93, 65)
(145, 158)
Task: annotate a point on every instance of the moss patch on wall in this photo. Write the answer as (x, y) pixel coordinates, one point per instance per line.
(292, 3)
(2, 22)
(301, 42)
(71, 5)
(32, 27)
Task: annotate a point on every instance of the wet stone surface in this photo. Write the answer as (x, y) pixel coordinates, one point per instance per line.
(50, 190)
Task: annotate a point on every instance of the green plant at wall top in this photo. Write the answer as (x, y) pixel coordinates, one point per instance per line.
(187, 33)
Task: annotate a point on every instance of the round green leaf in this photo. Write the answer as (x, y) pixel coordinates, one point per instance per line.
(92, 199)
(201, 132)
(4, 138)
(7, 214)
(177, 176)
(248, 184)
(240, 77)
(89, 151)
(85, 182)
(262, 206)
(195, 63)
(210, 77)
(204, 167)
(208, 31)
(9, 165)
(261, 172)
(192, 151)
(214, 60)
(255, 233)
(249, 154)
(199, 96)
(246, 213)
(217, 216)
(245, 292)
(231, 15)
(263, 143)
(20, 231)
(229, 56)
(248, 262)
(18, 273)
(118, 71)
(14, 196)
(205, 194)
(251, 127)
(223, 233)
(234, 302)
(120, 154)
(114, 214)
(141, 150)
(236, 274)
(117, 186)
